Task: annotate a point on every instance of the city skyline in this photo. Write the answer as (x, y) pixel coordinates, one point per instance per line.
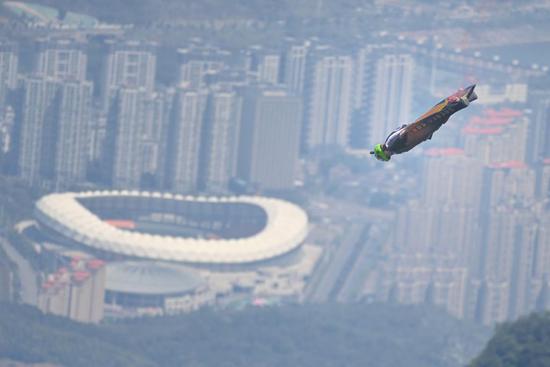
(172, 120)
(211, 128)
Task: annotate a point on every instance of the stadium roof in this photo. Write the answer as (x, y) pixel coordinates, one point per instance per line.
(150, 278)
(286, 228)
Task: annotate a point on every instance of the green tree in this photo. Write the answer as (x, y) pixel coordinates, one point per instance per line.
(524, 343)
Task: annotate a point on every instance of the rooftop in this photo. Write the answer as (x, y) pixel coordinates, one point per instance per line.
(509, 165)
(444, 152)
(470, 130)
(150, 278)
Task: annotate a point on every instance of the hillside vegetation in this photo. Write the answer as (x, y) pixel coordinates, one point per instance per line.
(27, 335)
(524, 343)
(311, 335)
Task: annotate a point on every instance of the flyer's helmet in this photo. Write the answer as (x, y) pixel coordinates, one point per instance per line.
(380, 154)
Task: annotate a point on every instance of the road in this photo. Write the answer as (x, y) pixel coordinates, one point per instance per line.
(347, 261)
(335, 266)
(368, 255)
(27, 276)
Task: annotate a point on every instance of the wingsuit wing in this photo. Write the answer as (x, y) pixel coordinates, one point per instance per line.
(424, 127)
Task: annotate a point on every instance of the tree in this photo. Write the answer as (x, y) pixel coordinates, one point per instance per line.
(524, 343)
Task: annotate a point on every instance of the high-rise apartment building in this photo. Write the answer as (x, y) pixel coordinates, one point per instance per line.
(497, 136)
(424, 278)
(507, 256)
(542, 303)
(37, 118)
(447, 289)
(198, 63)
(98, 135)
(364, 92)
(539, 130)
(72, 133)
(263, 65)
(186, 129)
(542, 258)
(363, 76)
(540, 297)
(391, 100)
(414, 232)
(55, 118)
(7, 124)
(129, 64)
(492, 302)
(445, 218)
(297, 77)
(6, 281)
(127, 118)
(294, 67)
(330, 101)
(8, 64)
(139, 120)
(8, 71)
(61, 59)
(269, 69)
(218, 158)
(521, 276)
(543, 179)
(270, 138)
(451, 178)
(508, 244)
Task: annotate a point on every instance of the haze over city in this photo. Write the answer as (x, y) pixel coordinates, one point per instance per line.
(191, 183)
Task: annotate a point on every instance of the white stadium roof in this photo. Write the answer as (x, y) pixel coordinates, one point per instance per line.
(286, 228)
(150, 278)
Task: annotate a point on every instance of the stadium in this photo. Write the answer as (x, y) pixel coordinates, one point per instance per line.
(161, 226)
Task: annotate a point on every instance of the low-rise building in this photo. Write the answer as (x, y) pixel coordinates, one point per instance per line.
(76, 291)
